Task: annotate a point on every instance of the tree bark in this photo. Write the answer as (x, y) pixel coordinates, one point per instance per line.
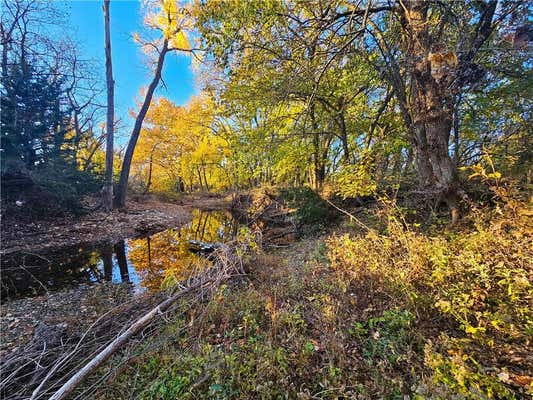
(200, 179)
(122, 188)
(435, 86)
(344, 139)
(205, 178)
(343, 131)
(431, 109)
(318, 167)
(149, 183)
(107, 191)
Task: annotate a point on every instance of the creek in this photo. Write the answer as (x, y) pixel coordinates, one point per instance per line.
(143, 263)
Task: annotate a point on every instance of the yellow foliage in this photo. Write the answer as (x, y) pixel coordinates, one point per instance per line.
(355, 180)
(480, 280)
(172, 19)
(178, 146)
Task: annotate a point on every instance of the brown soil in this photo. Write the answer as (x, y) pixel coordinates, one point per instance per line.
(66, 312)
(143, 215)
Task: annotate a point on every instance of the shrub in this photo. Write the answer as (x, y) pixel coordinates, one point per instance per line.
(312, 212)
(50, 190)
(479, 281)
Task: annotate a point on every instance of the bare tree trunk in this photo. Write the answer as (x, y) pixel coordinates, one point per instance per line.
(149, 183)
(107, 191)
(344, 139)
(318, 168)
(5, 47)
(343, 131)
(200, 179)
(205, 178)
(122, 188)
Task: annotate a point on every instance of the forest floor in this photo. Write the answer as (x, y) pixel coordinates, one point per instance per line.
(62, 313)
(143, 215)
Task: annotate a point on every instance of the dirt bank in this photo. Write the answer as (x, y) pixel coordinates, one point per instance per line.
(66, 312)
(143, 215)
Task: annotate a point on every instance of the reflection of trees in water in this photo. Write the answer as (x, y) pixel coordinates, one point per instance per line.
(120, 252)
(119, 249)
(166, 255)
(29, 274)
(107, 260)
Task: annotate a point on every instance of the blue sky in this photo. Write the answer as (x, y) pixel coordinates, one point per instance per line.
(86, 21)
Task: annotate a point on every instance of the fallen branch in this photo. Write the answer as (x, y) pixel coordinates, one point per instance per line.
(112, 347)
(227, 264)
(352, 217)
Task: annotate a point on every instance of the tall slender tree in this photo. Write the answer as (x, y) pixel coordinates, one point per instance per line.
(108, 185)
(171, 21)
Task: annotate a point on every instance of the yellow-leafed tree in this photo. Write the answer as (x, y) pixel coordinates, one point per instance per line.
(179, 150)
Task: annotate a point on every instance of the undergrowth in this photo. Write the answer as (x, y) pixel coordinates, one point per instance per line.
(312, 212)
(471, 289)
(394, 313)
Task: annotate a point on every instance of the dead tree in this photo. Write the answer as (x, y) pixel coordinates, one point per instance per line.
(107, 191)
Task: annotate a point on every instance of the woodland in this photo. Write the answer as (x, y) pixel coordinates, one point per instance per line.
(370, 162)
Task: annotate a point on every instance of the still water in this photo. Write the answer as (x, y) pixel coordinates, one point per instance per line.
(145, 263)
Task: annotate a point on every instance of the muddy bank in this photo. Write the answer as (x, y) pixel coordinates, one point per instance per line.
(143, 215)
(62, 314)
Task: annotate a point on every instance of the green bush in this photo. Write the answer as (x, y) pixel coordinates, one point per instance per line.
(50, 190)
(312, 212)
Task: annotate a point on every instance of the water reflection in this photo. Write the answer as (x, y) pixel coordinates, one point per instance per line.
(166, 256)
(145, 263)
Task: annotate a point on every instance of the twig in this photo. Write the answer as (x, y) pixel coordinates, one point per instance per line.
(228, 265)
(352, 217)
(71, 384)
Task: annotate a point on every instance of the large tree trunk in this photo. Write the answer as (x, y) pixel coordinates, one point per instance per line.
(107, 191)
(122, 188)
(431, 108)
(436, 74)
